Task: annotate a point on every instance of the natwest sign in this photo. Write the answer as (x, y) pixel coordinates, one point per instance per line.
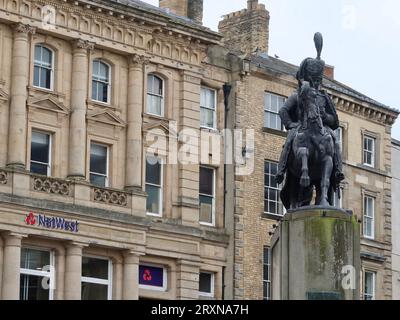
(44, 221)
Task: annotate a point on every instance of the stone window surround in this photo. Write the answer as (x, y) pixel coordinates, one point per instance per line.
(111, 154)
(52, 73)
(370, 267)
(109, 83)
(376, 196)
(162, 185)
(54, 133)
(283, 130)
(167, 79)
(102, 282)
(41, 272)
(212, 284)
(216, 117)
(215, 205)
(377, 137)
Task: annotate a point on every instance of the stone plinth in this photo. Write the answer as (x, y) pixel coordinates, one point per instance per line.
(316, 256)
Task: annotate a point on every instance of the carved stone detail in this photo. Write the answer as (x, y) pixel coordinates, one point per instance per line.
(137, 59)
(25, 28)
(84, 44)
(51, 186)
(3, 177)
(110, 197)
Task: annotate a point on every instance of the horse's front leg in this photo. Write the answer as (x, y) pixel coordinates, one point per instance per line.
(305, 178)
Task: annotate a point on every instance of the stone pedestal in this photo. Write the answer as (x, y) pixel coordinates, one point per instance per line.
(316, 256)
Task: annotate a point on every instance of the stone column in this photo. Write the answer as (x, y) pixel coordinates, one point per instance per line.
(1, 264)
(77, 124)
(187, 277)
(134, 122)
(11, 266)
(131, 276)
(19, 82)
(73, 272)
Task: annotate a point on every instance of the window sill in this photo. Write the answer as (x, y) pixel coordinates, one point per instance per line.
(270, 216)
(210, 130)
(45, 91)
(275, 132)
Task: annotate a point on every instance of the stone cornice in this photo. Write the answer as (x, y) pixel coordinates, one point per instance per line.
(370, 112)
(83, 44)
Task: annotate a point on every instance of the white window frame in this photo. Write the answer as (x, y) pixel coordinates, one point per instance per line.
(161, 187)
(212, 285)
(270, 94)
(214, 127)
(50, 150)
(165, 280)
(40, 65)
(373, 295)
(278, 202)
(156, 95)
(109, 83)
(336, 198)
(43, 274)
(339, 137)
(107, 184)
(372, 152)
(213, 198)
(108, 282)
(365, 216)
(269, 274)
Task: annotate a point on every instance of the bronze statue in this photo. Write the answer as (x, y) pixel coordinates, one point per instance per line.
(311, 156)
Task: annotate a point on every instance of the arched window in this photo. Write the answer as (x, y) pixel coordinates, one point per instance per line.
(101, 82)
(155, 95)
(43, 67)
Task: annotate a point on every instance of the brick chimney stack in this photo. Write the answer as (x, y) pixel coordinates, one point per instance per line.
(247, 30)
(329, 72)
(192, 9)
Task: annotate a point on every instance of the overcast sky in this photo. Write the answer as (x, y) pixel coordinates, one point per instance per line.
(362, 39)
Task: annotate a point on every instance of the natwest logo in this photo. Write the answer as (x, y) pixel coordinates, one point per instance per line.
(44, 221)
(30, 219)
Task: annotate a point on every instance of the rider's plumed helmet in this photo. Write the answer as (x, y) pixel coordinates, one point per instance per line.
(312, 70)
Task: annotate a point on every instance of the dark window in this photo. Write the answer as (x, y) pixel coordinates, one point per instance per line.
(207, 195)
(206, 283)
(40, 153)
(267, 274)
(154, 186)
(101, 81)
(43, 67)
(99, 165)
(96, 280)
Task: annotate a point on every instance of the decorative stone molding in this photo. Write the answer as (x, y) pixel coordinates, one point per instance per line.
(25, 28)
(137, 59)
(83, 44)
(116, 198)
(51, 186)
(3, 177)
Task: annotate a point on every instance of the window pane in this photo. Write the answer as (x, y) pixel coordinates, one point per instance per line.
(98, 159)
(36, 76)
(153, 199)
(267, 290)
(34, 259)
(95, 93)
(205, 282)
(46, 56)
(154, 85)
(92, 291)
(40, 146)
(31, 288)
(274, 103)
(207, 118)
(95, 268)
(154, 104)
(97, 180)
(38, 53)
(153, 171)
(206, 181)
(206, 209)
(38, 168)
(369, 285)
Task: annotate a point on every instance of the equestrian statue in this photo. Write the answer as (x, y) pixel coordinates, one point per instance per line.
(311, 157)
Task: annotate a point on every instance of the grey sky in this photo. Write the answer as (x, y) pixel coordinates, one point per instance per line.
(362, 39)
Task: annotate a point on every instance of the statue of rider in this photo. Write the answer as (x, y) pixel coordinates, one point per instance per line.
(312, 71)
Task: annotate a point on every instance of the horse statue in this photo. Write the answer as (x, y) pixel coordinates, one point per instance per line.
(311, 157)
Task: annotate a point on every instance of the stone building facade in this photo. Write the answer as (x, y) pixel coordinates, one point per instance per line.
(85, 88)
(396, 218)
(261, 87)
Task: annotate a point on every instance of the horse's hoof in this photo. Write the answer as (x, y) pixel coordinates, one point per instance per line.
(305, 181)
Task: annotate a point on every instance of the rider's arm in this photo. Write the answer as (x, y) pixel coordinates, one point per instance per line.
(284, 112)
(330, 118)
